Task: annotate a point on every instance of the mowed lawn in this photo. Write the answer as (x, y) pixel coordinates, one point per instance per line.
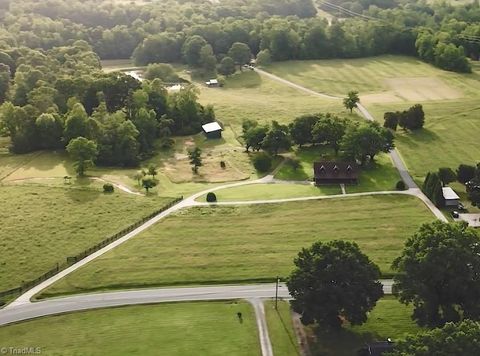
(451, 136)
(272, 191)
(389, 319)
(43, 225)
(249, 95)
(280, 329)
(379, 79)
(204, 328)
(206, 245)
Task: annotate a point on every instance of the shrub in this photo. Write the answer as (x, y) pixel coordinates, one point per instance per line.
(401, 185)
(108, 188)
(223, 165)
(211, 197)
(262, 162)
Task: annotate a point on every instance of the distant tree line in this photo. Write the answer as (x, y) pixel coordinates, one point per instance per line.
(184, 31)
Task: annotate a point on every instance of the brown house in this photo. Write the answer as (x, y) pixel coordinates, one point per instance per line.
(335, 173)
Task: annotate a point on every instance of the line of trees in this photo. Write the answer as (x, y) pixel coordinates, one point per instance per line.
(164, 32)
(411, 119)
(359, 141)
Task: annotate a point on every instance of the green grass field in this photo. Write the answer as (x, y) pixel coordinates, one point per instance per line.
(43, 225)
(207, 245)
(450, 136)
(379, 79)
(165, 329)
(272, 191)
(389, 319)
(248, 95)
(280, 329)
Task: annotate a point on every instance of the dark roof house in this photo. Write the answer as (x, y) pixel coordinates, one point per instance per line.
(376, 348)
(335, 173)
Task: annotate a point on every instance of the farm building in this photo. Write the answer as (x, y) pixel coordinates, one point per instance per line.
(335, 173)
(212, 83)
(451, 198)
(212, 130)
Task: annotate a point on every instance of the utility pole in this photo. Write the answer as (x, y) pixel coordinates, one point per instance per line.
(276, 294)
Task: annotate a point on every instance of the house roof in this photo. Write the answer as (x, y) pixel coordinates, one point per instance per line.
(335, 170)
(449, 194)
(212, 127)
(379, 347)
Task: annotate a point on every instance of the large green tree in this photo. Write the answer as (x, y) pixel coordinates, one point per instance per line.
(277, 139)
(330, 130)
(364, 141)
(240, 53)
(438, 272)
(334, 282)
(301, 129)
(459, 339)
(83, 153)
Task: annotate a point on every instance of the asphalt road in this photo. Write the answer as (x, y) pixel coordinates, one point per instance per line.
(28, 310)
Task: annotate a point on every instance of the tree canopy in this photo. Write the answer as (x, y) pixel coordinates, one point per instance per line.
(438, 272)
(334, 282)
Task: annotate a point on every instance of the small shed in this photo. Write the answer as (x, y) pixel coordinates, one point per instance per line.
(451, 198)
(212, 130)
(212, 83)
(335, 173)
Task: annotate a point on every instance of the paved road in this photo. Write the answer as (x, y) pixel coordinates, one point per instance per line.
(29, 310)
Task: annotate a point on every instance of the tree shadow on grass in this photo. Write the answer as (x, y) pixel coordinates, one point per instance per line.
(414, 139)
(343, 342)
(292, 340)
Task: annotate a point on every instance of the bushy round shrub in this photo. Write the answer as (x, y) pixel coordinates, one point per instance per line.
(108, 188)
(401, 185)
(211, 197)
(262, 162)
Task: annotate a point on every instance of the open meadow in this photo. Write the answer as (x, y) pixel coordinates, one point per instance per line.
(208, 245)
(42, 225)
(248, 95)
(450, 136)
(384, 79)
(203, 328)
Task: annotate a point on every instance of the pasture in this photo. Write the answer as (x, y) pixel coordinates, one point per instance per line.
(250, 243)
(449, 138)
(272, 191)
(203, 328)
(384, 79)
(249, 95)
(42, 225)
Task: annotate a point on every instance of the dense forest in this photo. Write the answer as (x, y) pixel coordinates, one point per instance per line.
(158, 31)
(52, 89)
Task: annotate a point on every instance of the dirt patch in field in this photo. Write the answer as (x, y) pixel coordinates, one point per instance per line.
(180, 171)
(422, 89)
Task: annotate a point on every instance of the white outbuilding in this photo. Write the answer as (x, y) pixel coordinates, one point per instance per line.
(451, 198)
